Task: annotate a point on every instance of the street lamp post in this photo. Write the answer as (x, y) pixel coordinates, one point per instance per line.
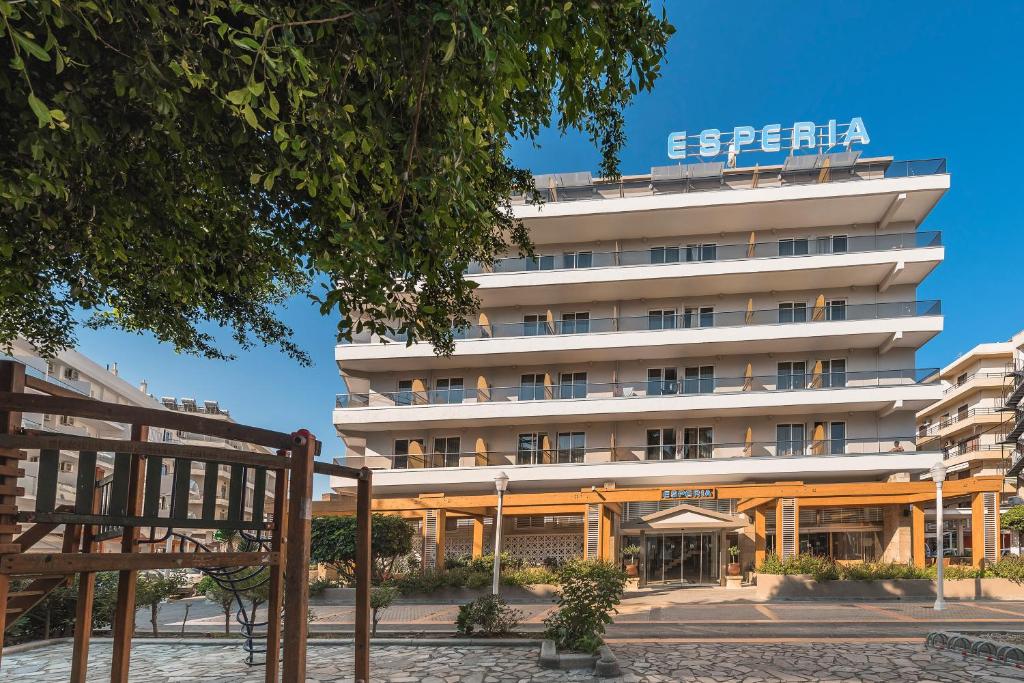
(500, 484)
(939, 476)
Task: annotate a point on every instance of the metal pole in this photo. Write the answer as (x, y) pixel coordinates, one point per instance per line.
(497, 545)
(940, 559)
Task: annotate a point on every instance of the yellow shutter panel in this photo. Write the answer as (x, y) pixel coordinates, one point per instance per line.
(481, 453)
(748, 378)
(748, 442)
(818, 445)
(485, 325)
(549, 386)
(416, 459)
(751, 245)
(819, 308)
(419, 392)
(749, 318)
(816, 375)
(483, 391)
(545, 444)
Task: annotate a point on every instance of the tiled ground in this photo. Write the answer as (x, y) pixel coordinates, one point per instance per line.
(654, 662)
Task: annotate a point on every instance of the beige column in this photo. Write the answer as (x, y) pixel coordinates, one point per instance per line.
(478, 537)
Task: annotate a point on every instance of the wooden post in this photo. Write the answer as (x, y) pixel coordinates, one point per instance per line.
(917, 533)
(760, 537)
(723, 552)
(296, 571)
(275, 592)
(977, 529)
(124, 612)
(439, 538)
(12, 378)
(364, 534)
(642, 574)
(86, 593)
(478, 537)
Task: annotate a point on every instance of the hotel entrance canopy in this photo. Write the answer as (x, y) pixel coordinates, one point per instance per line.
(686, 517)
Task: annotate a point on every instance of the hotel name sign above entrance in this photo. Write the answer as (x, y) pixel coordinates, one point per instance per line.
(689, 494)
(712, 142)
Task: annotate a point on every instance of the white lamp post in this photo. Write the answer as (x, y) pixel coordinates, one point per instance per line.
(500, 484)
(939, 476)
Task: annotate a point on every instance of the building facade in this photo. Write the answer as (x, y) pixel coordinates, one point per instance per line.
(695, 359)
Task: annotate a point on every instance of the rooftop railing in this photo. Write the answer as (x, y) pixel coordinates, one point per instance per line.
(976, 375)
(682, 250)
(714, 177)
(806, 379)
(831, 312)
(633, 453)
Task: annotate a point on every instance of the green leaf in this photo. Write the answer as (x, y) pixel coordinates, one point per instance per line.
(33, 48)
(240, 96)
(449, 51)
(250, 117)
(40, 109)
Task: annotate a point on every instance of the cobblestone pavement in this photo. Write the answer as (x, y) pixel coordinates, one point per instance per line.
(642, 662)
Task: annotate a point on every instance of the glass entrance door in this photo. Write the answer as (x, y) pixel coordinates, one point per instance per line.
(684, 558)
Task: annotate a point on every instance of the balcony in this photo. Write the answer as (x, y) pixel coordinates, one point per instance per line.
(792, 393)
(704, 269)
(960, 422)
(896, 324)
(955, 393)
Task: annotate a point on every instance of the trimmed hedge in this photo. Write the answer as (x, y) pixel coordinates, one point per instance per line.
(826, 569)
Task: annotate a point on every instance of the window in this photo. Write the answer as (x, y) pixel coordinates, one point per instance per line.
(793, 312)
(403, 397)
(664, 254)
(67, 420)
(71, 373)
(662, 382)
(703, 316)
(530, 449)
(535, 325)
(699, 380)
(833, 373)
(701, 252)
(661, 444)
(448, 390)
(837, 438)
(572, 385)
(793, 247)
(834, 244)
(446, 451)
(961, 379)
(572, 446)
(791, 375)
(835, 309)
(697, 442)
(575, 323)
(403, 449)
(789, 439)
(962, 412)
(531, 387)
(662, 319)
(578, 259)
(67, 466)
(545, 262)
(163, 469)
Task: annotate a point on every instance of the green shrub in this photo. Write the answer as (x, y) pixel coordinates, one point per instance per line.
(821, 568)
(1013, 519)
(488, 615)
(587, 595)
(381, 598)
(528, 576)
(1009, 567)
(318, 586)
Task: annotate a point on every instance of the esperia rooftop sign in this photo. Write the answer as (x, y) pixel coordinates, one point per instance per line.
(771, 138)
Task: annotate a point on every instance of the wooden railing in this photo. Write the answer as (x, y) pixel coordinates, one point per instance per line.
(127, 503)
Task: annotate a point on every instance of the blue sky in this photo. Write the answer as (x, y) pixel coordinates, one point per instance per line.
(930, 79)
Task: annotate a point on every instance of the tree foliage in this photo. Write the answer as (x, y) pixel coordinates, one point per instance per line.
(164, 164)
(588, 593)
(153, 588)
(1013, 519)
(333, 542)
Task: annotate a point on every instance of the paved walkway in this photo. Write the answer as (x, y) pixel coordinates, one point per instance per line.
(641, 662)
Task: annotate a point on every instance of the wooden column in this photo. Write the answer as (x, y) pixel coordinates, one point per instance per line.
(478, 537)
(12, 378)
(296, 569)
(123, 626)
(759, 536)
(439, 539)
(86, 594)
(917, 533)
(642, 574)
(275, 592)
(723, 553)
(977, 529)
(364, 534)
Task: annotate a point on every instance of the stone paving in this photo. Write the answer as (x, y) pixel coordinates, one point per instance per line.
(844, 662)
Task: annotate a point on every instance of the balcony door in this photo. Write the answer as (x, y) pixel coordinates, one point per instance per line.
(661, 444)
(789, 439)
(697, 442)
(531, 448)
(662, 381)
(791, 375)
(446, 451)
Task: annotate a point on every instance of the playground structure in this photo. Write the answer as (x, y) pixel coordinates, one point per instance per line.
(105, 528)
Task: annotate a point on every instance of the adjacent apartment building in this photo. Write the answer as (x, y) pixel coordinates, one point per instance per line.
(697, 358)
(73, 371)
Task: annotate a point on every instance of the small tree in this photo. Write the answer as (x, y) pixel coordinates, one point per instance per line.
(152, 588)
(333, 543)
(587, 595)
(1013, 519)
(214, 592)
(380, 599)
(488, 615)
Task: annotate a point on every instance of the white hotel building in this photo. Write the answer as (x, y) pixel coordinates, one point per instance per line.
(697, 358)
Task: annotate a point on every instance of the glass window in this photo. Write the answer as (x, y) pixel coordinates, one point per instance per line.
(793, 312)
(446, 451)
(702, 316)
(535, 325)
(572, 385)
(701, 252)
(791, 375)
(448, 390)
(400, 461)
(662, 382)
(789, 439)
(404, 395)
(835, 309)
(575, 323)
(834, 244)
(661, 444)
(664, 254)
(699, 380)
(697, 442)
(572, 446)
(837, 438)
(793, 247)
(531, 387)
(530, 449)
(664, 319)
(539, 262)
(578, 259)
(833, 373)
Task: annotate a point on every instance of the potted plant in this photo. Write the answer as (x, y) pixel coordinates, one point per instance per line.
(733, 568)
(629, 554)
